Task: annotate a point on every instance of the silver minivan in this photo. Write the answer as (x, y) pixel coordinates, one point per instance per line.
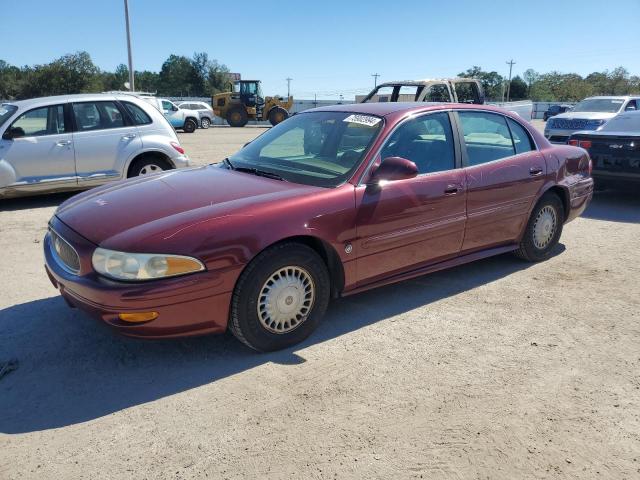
(78, 141)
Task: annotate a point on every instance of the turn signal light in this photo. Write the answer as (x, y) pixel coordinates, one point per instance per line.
(137, 317)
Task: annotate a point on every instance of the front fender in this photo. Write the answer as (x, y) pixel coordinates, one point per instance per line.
(7, 173)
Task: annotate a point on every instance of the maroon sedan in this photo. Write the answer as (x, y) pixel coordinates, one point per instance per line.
(331, 202)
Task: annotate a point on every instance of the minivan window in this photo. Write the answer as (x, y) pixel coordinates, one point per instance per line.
(97, 116)
(40, 121)
(139, 116)
(427, 141)
(486, 137)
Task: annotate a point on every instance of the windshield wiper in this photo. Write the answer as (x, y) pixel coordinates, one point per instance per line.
(260, 173)
(228, 163)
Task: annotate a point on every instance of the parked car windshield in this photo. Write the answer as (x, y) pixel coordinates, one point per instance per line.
(314, 148)
(626, 122)
(606, 105)
(6, 110)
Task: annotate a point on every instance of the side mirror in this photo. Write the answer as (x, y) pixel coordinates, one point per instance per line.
(11, 133)
(393, 168)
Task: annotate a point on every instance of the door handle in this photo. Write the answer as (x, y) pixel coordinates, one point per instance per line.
(451, 189)
(535, 171)
(129, 137)
(63, 143)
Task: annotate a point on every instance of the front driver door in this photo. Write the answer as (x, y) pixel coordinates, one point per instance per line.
(41, 153)
(409, 223)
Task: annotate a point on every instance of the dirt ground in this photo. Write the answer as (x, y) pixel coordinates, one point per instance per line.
(494, 370)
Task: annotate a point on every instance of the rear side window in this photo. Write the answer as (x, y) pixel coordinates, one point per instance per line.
(97, 116)
(521, 140)
(40, 121)
(438, 93)
(486, 137)
(138, 115)
(467, 92)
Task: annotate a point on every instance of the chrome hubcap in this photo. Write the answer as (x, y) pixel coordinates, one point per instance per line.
(544, 227)
(149, 169)
(286, 299)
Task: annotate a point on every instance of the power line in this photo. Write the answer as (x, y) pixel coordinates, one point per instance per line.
(511, 63)
(375, 79)
(288, 79)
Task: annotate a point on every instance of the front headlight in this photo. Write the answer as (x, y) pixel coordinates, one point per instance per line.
(142, 266)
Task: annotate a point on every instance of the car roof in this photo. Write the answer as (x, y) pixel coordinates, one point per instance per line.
(68, 98)
(387, 108)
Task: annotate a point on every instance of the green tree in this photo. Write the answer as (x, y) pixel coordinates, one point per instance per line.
(178, 77)
(519, 89)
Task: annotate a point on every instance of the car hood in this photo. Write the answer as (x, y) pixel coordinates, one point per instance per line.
(125, 215)
(586, 115)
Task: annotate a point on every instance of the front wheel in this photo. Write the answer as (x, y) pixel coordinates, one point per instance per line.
(543, 230)
(280, 297)
(190, 125)
(277, 115)
(205, 123)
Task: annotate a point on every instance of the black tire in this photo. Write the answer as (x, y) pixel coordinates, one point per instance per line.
(190, 125)
(147, 165)
(531, 249)
(205, 123)
(277, 115)
(245, 321)
(237, 117)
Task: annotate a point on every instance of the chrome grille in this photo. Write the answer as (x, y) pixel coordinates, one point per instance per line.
(64, 253)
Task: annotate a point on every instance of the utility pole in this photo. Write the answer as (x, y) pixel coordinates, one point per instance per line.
(288, 86)
(511, 63)
(375, 79)
(126, 16)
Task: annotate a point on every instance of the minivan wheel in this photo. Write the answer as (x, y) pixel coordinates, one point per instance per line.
(148, 166)
(543, 230)
(205, 123)
(280, 297)
(190, 125)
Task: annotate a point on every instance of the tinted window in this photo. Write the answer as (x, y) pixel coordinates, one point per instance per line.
(427, 141)
(631, 105)
(97, 116)
(41, 121)
(521, 140)
(438, 93)
(486, 137)
(139, 116)
(166, 105)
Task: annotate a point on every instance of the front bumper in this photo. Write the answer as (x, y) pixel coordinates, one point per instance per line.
(189, 305)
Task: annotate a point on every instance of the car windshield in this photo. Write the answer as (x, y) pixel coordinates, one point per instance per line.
(606, 105)
(316, 148)
(6, 110)
(627, 122)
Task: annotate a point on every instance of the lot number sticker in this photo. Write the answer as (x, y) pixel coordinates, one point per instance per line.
(367, 120)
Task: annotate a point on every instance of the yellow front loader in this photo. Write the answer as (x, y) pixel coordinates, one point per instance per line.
(245, 102)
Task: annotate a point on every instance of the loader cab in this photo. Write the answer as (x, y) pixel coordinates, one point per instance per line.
(250, 92)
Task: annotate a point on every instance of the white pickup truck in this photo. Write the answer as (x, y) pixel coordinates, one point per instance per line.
(180, 118)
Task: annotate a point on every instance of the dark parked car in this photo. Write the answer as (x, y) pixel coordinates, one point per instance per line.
(614, 150)
(554, 110)
(330, 202)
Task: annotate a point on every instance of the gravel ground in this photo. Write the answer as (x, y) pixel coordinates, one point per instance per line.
(497, 369)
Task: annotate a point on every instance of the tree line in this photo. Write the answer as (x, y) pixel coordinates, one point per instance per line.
(555, 86)
(198, 76)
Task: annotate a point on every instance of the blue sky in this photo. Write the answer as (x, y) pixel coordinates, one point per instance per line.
(332, 47)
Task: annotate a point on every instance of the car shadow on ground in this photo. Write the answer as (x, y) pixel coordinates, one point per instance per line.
(614, 206)
(73, 369)
(38, 201)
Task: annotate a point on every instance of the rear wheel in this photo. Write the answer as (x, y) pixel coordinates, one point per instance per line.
(205, 123)
(147, 166)
(280, 298)
(277, 115)
(237, 117)
(190, 125)
(543, 230)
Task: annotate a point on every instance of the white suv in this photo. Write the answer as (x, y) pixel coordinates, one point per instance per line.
(78, 141)
(204, 110)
